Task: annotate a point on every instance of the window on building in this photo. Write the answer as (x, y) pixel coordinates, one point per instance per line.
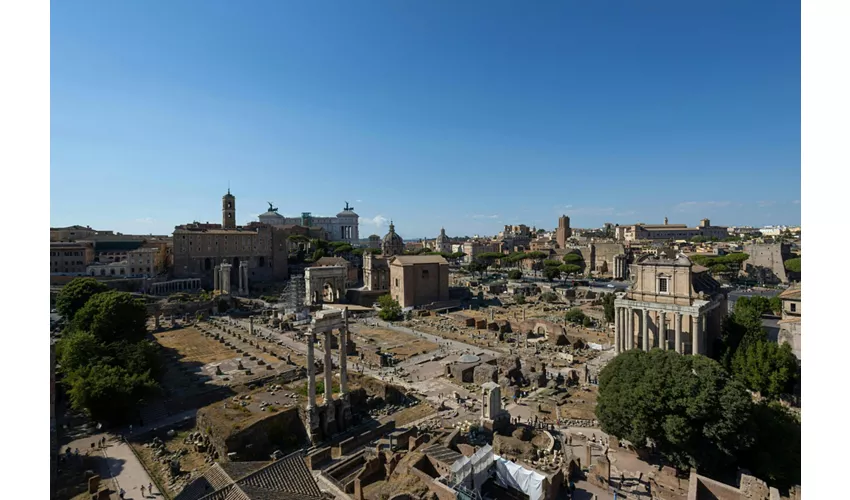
(424, 274)
(396, 282)
(663, 285)
(793, 307)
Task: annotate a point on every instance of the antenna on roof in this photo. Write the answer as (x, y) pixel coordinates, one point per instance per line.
(228, 187)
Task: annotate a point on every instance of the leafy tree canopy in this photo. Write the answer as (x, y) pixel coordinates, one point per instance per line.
(537, 255)
(75, 294)
(686, 406)
(793, 265)
(112, 317)
(552, 273)
(515, 274)
(390, 308)
(109, 393)
(343, 249)
(551, 263)
(767, 368)
(575, 315)
(573, 258)
(569, 269)
(608, 306)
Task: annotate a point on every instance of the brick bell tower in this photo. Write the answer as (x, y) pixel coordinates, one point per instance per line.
(228, 211)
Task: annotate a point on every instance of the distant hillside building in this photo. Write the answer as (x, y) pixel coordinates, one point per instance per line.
(200, 248)
(666, 231)
(343, 227)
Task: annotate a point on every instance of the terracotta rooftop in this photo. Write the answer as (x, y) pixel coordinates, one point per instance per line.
(286, 479)
(791, 293)
(410, 260)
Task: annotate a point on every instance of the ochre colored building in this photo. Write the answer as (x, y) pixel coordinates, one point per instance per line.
(417, 280)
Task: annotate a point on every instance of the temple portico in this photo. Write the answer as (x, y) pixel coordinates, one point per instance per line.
(665, 326)
(671, 304)
(175, 286)
(334, 415)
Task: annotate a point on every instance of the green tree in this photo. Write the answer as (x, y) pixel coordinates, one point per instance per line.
(608, 307)
(343, 249)
(520, 299)
(586, 322)
(549, 297)
(719, 269)
(113, 316)
(551, 263)
(686, 406)
(390, 308)
(318, 254)
(357, 251)
(75, 294)
(569, 269)
(476, 267)
(109, 393)
(552, 273)
(767, 368)
(575, 315)
(793, 265)
(775, 456)
(515, 274)
(573, 258)
(776, 304)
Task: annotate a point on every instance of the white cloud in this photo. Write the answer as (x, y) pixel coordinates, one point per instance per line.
(692, 206)
(766, 203)
(378, 221)
(146, 220)
(358, 201)
(485, 216)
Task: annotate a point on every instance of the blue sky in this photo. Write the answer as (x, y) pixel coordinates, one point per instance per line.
(468, 115)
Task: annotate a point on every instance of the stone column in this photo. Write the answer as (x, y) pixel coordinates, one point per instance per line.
(617, 347)
(645, 327)
(343, 356)
(245, 291)
(630, 337)
(251, 325)
(329, 374)
(240, 279)
(696, 337)
(678, 337)
(311, 372)
(662, 330)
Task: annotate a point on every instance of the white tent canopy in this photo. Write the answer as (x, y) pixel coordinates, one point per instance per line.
(513, 475)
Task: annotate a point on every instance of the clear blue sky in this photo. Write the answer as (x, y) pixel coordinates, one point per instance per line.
(468, 115)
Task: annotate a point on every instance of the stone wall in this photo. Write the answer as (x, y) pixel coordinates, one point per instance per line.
(283, 431)
(318, 458)
(770, 257)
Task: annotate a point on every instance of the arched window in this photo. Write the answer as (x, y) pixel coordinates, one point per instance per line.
(261, 262)
(207, 264)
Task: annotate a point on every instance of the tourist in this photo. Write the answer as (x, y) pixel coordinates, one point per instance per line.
(143, 491)
(150, 488)
(121, 494)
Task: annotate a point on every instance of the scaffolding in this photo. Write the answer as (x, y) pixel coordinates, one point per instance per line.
(293, 295)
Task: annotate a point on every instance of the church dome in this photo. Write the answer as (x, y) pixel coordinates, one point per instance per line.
(392, 236)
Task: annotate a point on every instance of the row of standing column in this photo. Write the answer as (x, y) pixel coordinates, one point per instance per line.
(190, 284)
(624, 331)
(328, 362)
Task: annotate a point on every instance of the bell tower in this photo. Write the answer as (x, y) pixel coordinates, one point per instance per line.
(228, 211)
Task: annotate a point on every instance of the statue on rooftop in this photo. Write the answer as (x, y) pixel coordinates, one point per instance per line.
(272, 208)
(347, 208)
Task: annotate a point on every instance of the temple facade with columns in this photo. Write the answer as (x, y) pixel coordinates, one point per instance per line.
(671, 304)
(333, 416)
